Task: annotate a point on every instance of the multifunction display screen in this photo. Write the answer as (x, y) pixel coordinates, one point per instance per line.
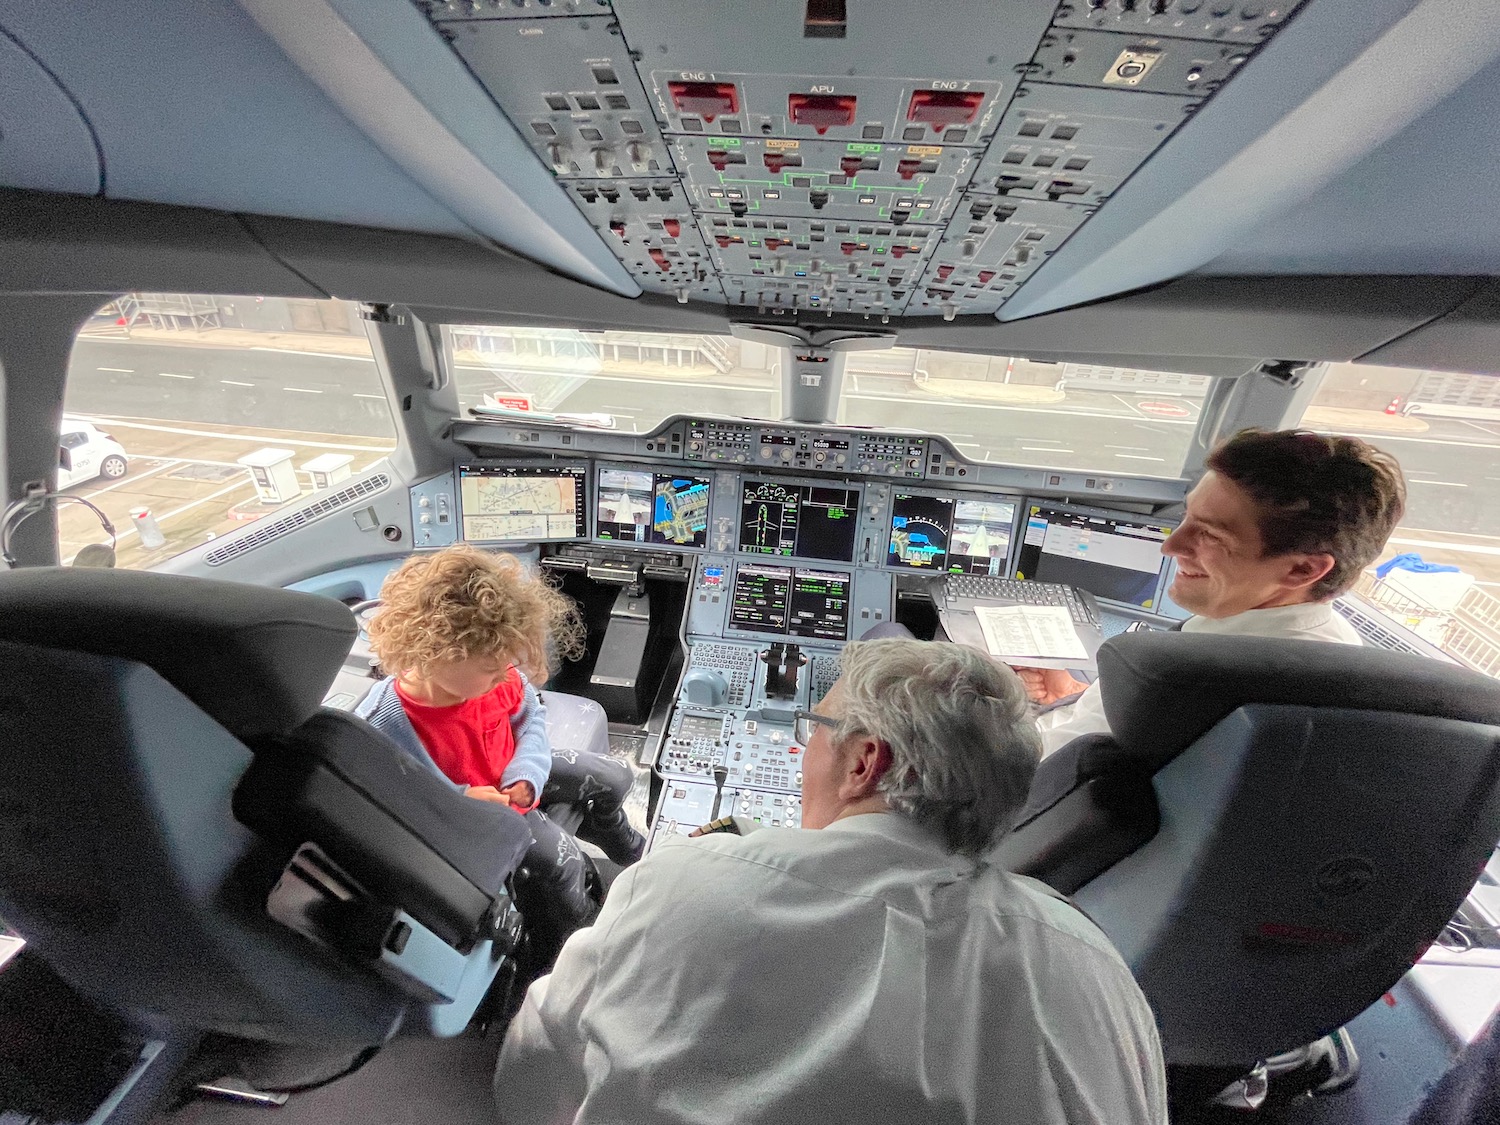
(1114, 557)
(505, 503)
(948, 535)
(798, 602)
(805, 521)
(643, 507)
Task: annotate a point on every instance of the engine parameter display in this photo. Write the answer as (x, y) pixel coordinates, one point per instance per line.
(795, 520)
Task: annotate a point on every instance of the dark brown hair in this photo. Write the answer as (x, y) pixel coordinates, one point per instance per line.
(1318, 494)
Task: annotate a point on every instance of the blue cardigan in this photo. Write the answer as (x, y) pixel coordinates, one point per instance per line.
(533, 761)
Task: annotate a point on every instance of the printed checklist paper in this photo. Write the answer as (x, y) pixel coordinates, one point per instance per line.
(1021, 632)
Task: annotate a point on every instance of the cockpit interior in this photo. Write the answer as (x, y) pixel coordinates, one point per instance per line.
(753, 327)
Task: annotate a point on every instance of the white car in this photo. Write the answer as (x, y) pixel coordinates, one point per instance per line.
(84, 452)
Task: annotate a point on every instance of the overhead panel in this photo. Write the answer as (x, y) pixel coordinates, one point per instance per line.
(875, 159)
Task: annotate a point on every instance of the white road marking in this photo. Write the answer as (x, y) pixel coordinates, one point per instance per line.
(319, 355)
(121, 370)
(1136, 448)
(235, 383)
(1138, 457)
(302, 390)
(1020, 409)
(1444, 483)
(1130, 406)
(1421, 441)
(1043, 449)
(130, 479)
(169, 375)
(379, 397)
(233, 437)
(1477, 426)
(1457, 548)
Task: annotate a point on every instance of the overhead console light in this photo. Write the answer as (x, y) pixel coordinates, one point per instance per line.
(941, 108)
(821, 111)
(705, 99)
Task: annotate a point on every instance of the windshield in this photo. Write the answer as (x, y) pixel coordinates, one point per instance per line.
(993, 408)
(1440, 572)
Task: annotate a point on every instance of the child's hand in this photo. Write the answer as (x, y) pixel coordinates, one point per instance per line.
(521, 794)
(488, 793)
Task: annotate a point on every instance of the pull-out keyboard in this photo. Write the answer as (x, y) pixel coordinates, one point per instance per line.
(960, 588)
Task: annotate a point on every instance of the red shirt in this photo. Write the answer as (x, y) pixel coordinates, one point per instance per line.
(471, 742)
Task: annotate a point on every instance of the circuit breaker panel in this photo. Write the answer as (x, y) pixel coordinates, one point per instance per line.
(884, 159)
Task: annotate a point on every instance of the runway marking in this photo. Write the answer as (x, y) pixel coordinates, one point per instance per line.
(319, 355)
(235, 383)
(169, 375)
(1138, 457)
(302, 390)
(1043, 449)
(121, 370)
(1444, 483)
(235, 437)
(1477, 426)
(1457, 548)
(379, 397)
(161, 519)
(130, 480)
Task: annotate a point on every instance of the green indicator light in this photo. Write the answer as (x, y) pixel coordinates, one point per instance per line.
(880, 249)
(729, 142)
(864, 148)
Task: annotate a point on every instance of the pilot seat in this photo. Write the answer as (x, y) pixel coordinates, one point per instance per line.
(1272, 835)
(189, 840)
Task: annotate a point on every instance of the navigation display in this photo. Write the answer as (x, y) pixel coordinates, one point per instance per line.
(981, 537)
(760, 598)
(795, 601)
(919, 531)
(503, 503)
(806, 521)
(644, 507)
(949, 535)
(1115, 557)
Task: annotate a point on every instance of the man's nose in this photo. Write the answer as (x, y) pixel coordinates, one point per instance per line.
(1172, 545)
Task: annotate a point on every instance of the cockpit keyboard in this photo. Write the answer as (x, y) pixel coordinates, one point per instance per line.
(737, 662)
(987, 587)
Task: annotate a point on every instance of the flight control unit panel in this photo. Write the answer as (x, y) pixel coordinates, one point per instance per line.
(793, 541)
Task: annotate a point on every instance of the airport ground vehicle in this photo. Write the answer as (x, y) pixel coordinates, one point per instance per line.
(86, 452)
(568, 221)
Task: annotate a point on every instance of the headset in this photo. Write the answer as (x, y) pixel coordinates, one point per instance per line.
(17, 514)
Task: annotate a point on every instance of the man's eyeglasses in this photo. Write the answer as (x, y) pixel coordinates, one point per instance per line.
(808, 721)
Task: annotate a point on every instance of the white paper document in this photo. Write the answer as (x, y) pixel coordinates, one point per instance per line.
(1016, 633)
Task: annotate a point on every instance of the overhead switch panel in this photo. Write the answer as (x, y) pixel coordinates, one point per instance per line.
(801, 157)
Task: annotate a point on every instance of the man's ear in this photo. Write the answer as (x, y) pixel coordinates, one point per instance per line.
(1306, 571)
(869, 759)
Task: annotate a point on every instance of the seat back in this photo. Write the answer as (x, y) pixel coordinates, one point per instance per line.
(1323, 810)
(134, 727)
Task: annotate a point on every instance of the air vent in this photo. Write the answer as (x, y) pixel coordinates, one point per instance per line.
(1380, 631)
(275, 529)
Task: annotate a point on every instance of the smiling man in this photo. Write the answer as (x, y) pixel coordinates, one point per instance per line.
(868, 967)
(1280, 524)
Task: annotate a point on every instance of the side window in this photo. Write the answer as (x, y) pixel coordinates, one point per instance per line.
(213, 412)
(1440, 573)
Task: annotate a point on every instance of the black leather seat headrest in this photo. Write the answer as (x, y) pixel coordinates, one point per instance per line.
(256, 659)
(1162, 691)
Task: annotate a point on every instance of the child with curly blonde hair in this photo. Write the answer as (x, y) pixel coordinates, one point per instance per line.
(462, 635)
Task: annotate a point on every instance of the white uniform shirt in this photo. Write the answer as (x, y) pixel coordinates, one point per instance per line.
(1310, 621)
(855, 974)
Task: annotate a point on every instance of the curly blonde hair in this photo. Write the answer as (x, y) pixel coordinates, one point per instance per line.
(462, 602)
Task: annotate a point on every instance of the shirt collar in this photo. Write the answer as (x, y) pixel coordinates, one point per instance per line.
(889, 824)
(1303, 615)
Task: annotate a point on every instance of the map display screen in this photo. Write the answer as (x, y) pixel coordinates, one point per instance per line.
(659, 508)
(505, 503)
